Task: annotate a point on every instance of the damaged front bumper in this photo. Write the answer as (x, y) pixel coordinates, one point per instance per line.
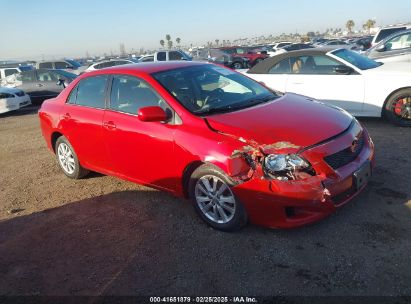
(288, 204)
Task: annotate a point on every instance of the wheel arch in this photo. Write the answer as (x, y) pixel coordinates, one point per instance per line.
(191, 167)
(54, 136)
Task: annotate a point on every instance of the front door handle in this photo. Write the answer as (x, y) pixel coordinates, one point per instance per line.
(40, 85)
(109, 125)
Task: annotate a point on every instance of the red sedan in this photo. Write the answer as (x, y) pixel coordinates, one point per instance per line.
(238, 150)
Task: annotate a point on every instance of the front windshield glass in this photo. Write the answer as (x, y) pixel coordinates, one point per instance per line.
(74, 63)
(66, 74)
(208, 89)
(360, 61)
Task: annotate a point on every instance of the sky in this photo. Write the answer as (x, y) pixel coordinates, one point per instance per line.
(33, 29)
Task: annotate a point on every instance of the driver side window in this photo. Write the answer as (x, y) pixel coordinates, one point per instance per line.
(129, 94)
(399, 42)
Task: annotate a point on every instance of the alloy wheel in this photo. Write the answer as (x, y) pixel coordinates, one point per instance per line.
(215, 199)
(401, 107)
(66, 158)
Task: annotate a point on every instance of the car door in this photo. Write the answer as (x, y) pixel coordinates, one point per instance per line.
(27, 82)
(81, 122)
(47, 83)
(139, 151)
(395, 49)
(324, 79)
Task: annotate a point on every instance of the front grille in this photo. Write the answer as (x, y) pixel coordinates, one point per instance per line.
(20, 93)
(344, 157)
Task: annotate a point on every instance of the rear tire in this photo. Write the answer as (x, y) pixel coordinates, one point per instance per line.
(397, 109)
(210, 191)
(68, 160)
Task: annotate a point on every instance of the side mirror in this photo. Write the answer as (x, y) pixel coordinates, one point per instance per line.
(61, 82)
(154, 113)
(343, 70)
(381, 48)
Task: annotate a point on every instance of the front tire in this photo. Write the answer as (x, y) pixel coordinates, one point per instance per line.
(210, 191)
(237, 65)
(68, 160)
(397, 109)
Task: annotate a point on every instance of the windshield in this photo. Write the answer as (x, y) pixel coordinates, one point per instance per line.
(74, 63)
(208, 89)
(360, 61)
(66, 74)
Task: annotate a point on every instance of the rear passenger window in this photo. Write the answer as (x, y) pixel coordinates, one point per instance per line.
(60, 65)
(45, 65)
(129, 94)
(9, 72)
(90, 92)
(175, 56)
(283, 67)
(161, 56)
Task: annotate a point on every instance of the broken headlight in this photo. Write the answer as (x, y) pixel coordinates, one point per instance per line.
(287, 167)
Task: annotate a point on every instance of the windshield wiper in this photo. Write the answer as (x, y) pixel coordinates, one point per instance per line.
(243, 105)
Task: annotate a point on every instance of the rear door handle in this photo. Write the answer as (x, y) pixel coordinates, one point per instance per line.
(109, 125)
(39, 85)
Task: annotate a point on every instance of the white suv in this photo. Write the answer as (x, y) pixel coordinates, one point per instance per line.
(388, 31)
(4, 72)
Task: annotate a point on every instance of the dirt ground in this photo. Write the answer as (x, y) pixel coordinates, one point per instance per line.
(105, 236)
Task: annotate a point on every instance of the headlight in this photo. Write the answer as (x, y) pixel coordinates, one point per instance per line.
(286, 166)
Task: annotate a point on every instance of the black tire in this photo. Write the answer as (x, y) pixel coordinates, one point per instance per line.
(237, 65)
(391, 108)
(238, 217)
(78, 171)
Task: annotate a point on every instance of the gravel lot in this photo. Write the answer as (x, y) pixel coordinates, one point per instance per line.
(104, 236)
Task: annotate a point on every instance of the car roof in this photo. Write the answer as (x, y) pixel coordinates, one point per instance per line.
(265, 65)
(149, 67)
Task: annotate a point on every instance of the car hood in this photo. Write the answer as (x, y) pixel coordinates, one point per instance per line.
(292, 118)
(9, 90)
(392, 68)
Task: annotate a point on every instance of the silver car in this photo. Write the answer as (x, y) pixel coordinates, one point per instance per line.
(394, 48)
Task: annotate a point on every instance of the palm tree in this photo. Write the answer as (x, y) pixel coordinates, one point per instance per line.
(368, 25)
(217, 41)
(178, 40)
(349, 25)
(169, 42)
(162, 43)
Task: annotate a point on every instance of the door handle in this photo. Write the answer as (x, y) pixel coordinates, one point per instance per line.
(298, 83)
(109, 125)
(66, 116)
(39, 85)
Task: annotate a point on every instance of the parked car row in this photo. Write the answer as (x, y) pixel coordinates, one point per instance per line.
(342, 78)
(40, 83)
